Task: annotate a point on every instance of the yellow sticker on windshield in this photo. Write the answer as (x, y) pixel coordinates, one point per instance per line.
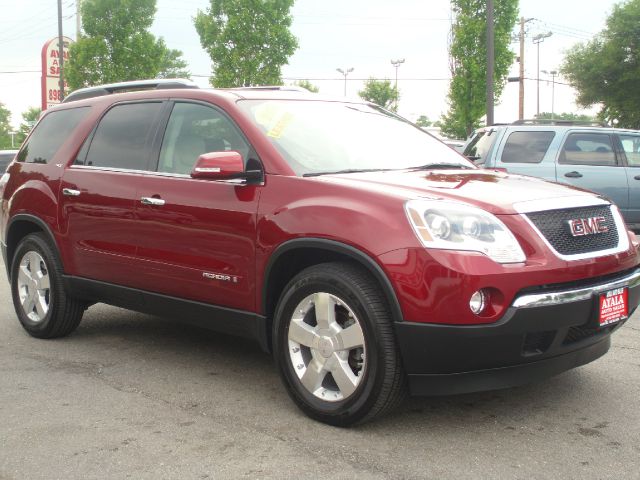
(278, 129)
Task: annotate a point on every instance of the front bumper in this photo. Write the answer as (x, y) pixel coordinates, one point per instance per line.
(543, 333)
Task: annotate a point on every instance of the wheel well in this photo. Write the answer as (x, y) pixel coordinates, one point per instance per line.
(17, 231)
(288, 265)
(291, 262)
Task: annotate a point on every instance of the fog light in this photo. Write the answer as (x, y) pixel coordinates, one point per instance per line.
(478, 301)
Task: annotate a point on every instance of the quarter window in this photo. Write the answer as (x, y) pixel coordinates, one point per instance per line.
(588, 149)
(50, 134)
(526, 147)
(123, 137)
(631, 147)
(195, 129)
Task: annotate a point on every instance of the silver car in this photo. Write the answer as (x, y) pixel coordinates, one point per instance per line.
(600, 159)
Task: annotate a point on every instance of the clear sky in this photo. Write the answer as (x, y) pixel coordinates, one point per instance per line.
(361, 34)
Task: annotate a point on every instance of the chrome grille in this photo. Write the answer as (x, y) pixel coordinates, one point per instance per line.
(554, 226)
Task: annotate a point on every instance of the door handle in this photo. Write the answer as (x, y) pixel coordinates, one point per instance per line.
(573, 174)
(158, 202)
(70, 192)
(637, 177)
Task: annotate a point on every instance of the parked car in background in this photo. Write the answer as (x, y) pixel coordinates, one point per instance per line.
(604, 160)
(366, 255)
(6, 156)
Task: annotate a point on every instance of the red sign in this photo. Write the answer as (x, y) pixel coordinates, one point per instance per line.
(614, 306)
(51, 71)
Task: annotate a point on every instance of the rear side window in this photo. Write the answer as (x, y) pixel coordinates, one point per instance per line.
(588, 149)
(50, 134)
(526, 147)
(123, 137)
(631, 147)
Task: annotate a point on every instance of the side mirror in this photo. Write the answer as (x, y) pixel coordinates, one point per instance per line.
(218, 166)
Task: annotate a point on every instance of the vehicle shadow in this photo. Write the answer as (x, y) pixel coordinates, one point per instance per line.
(152, 351)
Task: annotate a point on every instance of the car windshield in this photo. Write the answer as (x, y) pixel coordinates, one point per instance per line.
(318, 137)
(479, 146)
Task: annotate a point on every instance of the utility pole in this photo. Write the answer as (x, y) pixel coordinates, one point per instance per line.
(396, 64)
(490, 62)
(60, 52)
(523, 21)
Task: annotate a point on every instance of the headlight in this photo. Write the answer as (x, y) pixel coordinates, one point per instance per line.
(455, 226)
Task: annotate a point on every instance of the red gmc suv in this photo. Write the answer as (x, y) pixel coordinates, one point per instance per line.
(369, 257)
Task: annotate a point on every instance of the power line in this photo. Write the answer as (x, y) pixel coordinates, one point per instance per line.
(35, 21)
(591, 34)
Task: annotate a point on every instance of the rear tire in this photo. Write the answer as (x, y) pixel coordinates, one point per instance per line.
(44, 308)
(334, 345)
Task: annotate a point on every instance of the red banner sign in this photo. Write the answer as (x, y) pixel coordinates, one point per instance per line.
(51, 71)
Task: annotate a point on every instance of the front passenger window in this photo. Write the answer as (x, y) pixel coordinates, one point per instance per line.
(195, 129)
(526, 147)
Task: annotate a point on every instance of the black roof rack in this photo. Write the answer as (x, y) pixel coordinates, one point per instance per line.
(136, 85)
(548, 121)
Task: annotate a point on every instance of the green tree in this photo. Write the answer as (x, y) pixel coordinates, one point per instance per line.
(306, 84)
(606, 70)
(5, 127)
(423, 121)
(248, 40)
(29, 119)
(380, 92)
(173, 65)
(468, 61)
(117, 46)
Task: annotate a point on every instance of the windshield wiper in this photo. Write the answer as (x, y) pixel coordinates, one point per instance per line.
(440, 166)
(348, 170)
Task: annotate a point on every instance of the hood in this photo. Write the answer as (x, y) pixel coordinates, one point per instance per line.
(495, 192)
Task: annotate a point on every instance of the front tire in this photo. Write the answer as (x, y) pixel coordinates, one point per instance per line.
(44, 308)
(335, 347)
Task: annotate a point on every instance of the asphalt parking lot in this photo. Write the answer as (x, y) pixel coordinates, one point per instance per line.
(135, 396)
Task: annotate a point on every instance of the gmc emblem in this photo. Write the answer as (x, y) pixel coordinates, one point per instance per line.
(580, 227)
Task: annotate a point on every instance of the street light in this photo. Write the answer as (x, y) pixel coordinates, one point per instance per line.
(345, 72)
(553, 74)
(537, 40)
(396, 64)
